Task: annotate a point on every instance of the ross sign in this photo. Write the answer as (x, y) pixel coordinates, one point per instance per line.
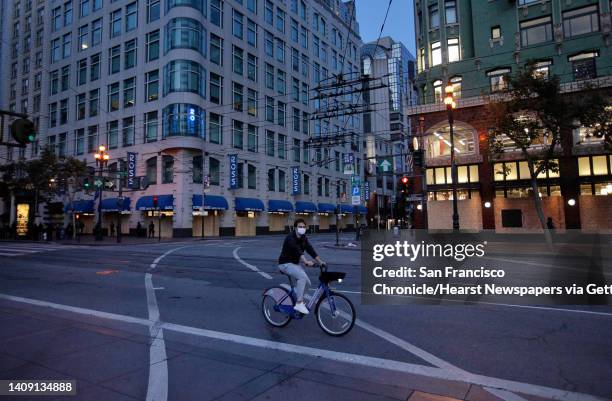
(131, 172)
(296, 181)
(233, 159)
(349, 164)
(366, 190)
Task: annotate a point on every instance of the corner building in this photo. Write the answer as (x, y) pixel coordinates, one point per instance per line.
(185, 84)
(471, 45)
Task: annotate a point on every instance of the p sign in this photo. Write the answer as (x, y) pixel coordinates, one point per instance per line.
(296, 181)
(233, 159)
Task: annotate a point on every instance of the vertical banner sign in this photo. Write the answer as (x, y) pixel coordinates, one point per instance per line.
(233, 159)
(349, 164)
(131, 173)
(296, 181)
(366, 190)
(356, 190)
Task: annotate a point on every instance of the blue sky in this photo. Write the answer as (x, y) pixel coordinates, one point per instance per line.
(399, 25)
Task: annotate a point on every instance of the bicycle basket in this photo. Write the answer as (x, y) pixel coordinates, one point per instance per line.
(328, 277)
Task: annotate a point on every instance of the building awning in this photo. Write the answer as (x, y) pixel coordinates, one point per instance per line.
(362, 209)
(305, 207)
(346, 209)
(211, 202)
(327, 208)
(249, 205)
(114, 205)
(80, 206)
(164, 202)
(277, 205)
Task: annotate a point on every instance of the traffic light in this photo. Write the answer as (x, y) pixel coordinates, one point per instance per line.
(417, 158)
(23, 131)
(86, 184)
(155, 201)
(405, 180)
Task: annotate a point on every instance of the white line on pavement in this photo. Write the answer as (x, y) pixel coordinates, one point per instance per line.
(388, 364)
(159, 258)
(250, 266)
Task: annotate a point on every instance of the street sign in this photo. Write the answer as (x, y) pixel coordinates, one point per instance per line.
(386, 165)
(349, 164)
(414, 197)
(356, 190)
(109, 183)
(98, 183)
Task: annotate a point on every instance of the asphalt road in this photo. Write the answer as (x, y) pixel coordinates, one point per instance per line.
(182, 321)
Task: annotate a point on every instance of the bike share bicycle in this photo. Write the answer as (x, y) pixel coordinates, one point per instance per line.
(334, 312)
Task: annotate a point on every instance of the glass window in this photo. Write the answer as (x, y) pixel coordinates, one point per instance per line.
(150, 126)
(216, 49)
(456, 84)
(114, 59)
(129, 92)
(238, 60)
(115, 23)
(495, 32)
(94, 102)
(167, 169)
(112, 132)
(438, 142)
(153, 10)
(251, 177)
(79, 146)
(600, 165)
(252, 102)
(253, 138)
(197, 169)
(281, 109)
(131, 16)
(270, 143)
(130, 54)
(216, 12)
(113, 96)
(81, 106)
(184, 76)
(152, 86)
(214, 171)
(580, 21)
(215, 126)
(437, 87)
(216, 88)
(251, 33)
(536, 31)
(436, 53)
(450, 7)
(453, 50)
(83, 38)
(96, 32)
(237, 134)
(583, 65)
(498, 79)
(183, 119)
(541, 69)
(238, 96)
(434, 17)
(197, 4)
(82, 72)
(238, 24)
(269, 109)
(128, 131)
(152, 45)
(185, 33)
(282, 146)
(252, 67)
(271, 179)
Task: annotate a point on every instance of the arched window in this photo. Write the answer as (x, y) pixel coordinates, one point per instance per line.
(456, 84)
(152, 170)
(184, 76)
(183, 119)
(185, 33)
(199, 5)
(438, 142)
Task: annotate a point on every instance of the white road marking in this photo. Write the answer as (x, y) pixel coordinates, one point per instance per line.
(250, 266)
(504, 395)
(159, 258)
(356, 359)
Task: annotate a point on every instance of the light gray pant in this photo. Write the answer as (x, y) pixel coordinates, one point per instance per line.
(298, 273)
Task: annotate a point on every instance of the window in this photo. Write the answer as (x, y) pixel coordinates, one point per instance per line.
(296, 119)
(456, 84)
(167, 169)
(238, 96)
(197, 169)
(453, 50)
(296, 150)
(129, 92)
(215, 125)
(150, 126)
(112, 134)
(216, 88)
(216, 49)
(580, 21)
(183, 119)
(56, 17)
(63, 119)
(97, 4)
(56, 54)
(115, 23)
(131, 16)
(438, 143)
(152, 86)
(436, 53)
(294, 31)
(130, 54)
(197, 4)
(237, 24)
(237, 134)
(303, 37)
(269, 12)
(79, 142)
(83, 38)
(434, 17)
(305, 125)
(282, 181)
(253, 138)
(153, 10)
(251, 33)
(66, 45)
(216, 12)
(269, 109)
(450, 7)
(80, 106)
(214, 171)
(270, 143)
(252, 102)
(495, 32)
(306, 187)
(272, 180)
(65, 77)
(269, 76)
(96, 32)
(281, 84)
(185, 33)
(238, 60)
(252, 67)
(280, 20)
(282, 146)
(252, 6)
(281, 108)
(52, 114)
(114, 59)
(94, 71)
(113, 97)
(541, 69)
(536, 31)
(68, 13)
(437, 87)
(94, 102)
(184, 76)
(152, 45)
(295, 89)
(251, 177)
(128, 131)
(583, 65)
(498, 79)
(269, 43)
(82, 72)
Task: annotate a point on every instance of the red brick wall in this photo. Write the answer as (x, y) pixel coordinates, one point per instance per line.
(596, 213)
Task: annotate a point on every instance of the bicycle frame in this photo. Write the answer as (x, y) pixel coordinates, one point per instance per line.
(287, 309)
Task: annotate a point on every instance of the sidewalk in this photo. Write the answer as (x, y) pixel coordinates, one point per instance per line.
(89, 240)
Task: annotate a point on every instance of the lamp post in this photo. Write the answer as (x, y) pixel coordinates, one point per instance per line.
(449, 100)
(101, 161)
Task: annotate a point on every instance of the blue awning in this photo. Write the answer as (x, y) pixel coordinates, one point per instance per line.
(362, 209)
(80, 206)
(211, 202)
(164, 202)
(249, 205)
(305, 207)
(277, 205)
(327, 208)
(114, 205)
(346, 209)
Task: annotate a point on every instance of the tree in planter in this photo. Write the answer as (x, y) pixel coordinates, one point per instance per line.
(530, 117)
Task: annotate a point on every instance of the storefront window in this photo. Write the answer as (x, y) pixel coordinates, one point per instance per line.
(438, 143)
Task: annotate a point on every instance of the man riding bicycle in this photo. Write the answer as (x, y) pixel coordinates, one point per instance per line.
(291, 255)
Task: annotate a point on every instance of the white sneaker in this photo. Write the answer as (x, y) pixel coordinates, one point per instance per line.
(300, 307)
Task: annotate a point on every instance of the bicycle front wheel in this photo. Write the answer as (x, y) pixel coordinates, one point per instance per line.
(272, 299)
(335, 314)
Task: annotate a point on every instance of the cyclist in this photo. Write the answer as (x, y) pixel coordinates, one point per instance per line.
(292, 254)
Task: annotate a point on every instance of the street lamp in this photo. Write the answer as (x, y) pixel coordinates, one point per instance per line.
(449, 100)
(101, 161)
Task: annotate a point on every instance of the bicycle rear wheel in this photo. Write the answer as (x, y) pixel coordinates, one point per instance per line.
(335, 314)
(272, 298)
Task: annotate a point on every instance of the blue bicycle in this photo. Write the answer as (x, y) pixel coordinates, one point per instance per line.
(335, 313)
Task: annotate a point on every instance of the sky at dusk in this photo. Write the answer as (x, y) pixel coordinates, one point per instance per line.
(399, 25)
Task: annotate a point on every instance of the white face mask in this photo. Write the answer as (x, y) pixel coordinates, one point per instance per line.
(301, 230)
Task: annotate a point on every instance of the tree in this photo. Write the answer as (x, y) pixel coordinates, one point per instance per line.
(532, 116)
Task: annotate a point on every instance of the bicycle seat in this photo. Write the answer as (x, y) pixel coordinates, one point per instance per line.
(327, 277)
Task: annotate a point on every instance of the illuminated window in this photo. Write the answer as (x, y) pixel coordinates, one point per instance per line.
(438, 143)
(453, 50)
(436, 53)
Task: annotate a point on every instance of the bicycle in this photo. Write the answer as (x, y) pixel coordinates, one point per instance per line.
(336, 317)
